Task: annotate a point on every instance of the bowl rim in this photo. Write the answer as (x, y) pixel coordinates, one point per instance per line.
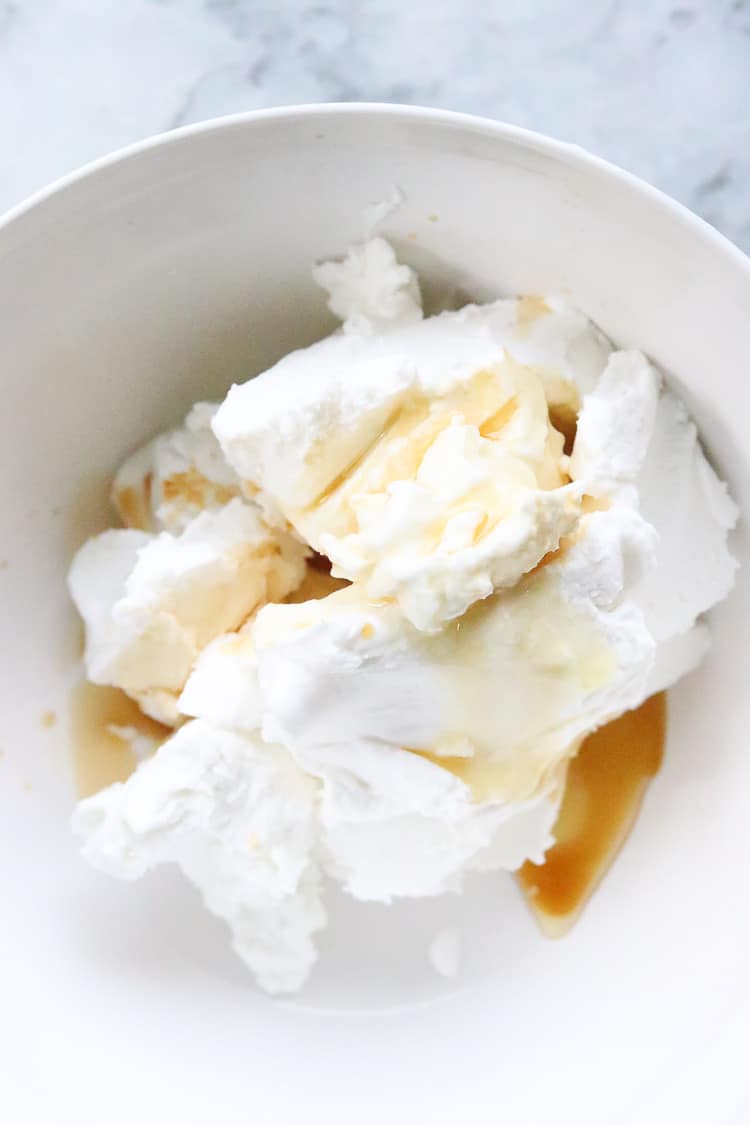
(571, 154)
(720, 1068)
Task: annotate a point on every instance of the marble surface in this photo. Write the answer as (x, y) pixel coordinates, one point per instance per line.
(658, 86)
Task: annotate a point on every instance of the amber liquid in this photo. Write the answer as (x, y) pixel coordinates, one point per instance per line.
(101, 757)
(604, 789)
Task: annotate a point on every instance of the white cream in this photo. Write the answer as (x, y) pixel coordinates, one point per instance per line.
(509, 688)
(295, 428)
(499, 703)
(682, 497)
(171, 480)
(460, 497)
(370, 289)
(637, 447)
(378, 802)
(416, 725)
(223, 686)
(239, 818)
(677, 657)
(394, 824)
(616, 426)
(429, 480)
(152, 603)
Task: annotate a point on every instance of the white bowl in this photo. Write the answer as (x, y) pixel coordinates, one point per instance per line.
(158, 276)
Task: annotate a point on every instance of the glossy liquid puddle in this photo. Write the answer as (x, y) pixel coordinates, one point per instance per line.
(604, 790)
(100, 756)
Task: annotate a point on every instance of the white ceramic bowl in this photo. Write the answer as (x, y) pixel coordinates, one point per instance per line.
(158, 276)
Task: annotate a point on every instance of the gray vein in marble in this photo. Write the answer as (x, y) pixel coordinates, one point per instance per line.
(658, 86)
(8, 12)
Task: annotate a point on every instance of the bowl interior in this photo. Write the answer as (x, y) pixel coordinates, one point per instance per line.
(159, 279)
